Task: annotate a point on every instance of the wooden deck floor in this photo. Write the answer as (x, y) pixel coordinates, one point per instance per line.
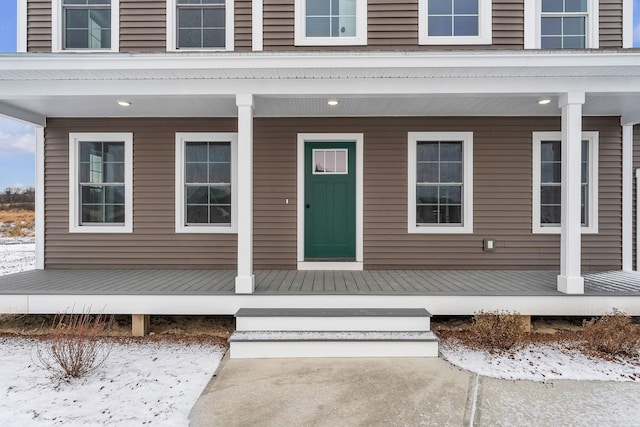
(291, 282)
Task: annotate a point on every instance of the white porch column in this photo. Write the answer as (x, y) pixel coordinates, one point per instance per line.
(627, 197)
(570, 281)
(39, 226)
(244, 188)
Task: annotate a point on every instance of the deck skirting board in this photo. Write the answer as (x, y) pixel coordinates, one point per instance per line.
(559, 305)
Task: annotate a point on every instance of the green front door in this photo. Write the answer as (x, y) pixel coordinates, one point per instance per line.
(330, 201)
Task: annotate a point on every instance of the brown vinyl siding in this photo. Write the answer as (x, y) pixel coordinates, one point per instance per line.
(392, 26)
(610, 23)
(502, 195)
(636, 166)
(143, 25)
(242, 24)
(153, 243)
(39, 26)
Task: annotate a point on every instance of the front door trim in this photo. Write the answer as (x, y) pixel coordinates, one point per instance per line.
(358, 138)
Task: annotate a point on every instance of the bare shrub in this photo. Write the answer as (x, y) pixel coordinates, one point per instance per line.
(613, 334)
(498, 330)
(74, 349)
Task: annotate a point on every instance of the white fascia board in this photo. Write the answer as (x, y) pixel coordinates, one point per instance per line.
(302, 60)
(315, 87)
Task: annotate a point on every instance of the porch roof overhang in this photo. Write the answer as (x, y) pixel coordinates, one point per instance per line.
(481, 83)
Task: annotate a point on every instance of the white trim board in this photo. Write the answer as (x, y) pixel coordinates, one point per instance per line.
(463, 305)
(627, 198)
(358, 138)
(257, 17)
(40, 199)
(21, 27)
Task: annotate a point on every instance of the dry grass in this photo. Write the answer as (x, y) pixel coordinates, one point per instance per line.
(497, 330)
(17, 223)
(173, 328)
(73, 349)
(613, 334)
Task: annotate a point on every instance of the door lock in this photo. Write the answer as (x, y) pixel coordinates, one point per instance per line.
(307, 206)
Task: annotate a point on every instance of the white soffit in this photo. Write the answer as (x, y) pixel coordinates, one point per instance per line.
(298, 84)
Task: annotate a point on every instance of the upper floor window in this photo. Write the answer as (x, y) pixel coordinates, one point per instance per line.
(547, 185)
(561, 24)
(440, 173)
(455, 21)
(206, 201)
(85, 25)
(330, 22)
(100, 182)
(200, 25)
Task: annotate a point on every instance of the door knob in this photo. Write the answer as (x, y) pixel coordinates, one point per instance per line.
(307, 206)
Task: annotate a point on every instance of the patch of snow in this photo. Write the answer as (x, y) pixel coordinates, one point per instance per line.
(17, 254)
(140, 383)
(539, 362)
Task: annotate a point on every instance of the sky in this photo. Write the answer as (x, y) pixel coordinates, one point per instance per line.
(17, 140)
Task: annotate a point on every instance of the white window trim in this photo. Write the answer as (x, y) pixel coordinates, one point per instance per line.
(229, 27)
(301, 38)
(533, 22)
(592, 210)
(484, 36)
(75, 225)
(467, 180)
(57, 29)
(181, 139)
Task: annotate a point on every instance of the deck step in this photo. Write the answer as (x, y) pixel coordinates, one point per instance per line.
(283, 344)
(332, 332)
(333, 319)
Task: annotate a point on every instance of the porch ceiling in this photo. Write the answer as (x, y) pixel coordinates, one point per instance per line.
(33, 87)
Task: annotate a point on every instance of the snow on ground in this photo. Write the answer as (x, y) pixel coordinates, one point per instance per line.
(539, 362)
(159, 382)
(17, 254)
(140, 383)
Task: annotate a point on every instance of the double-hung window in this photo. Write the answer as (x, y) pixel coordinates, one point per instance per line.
(200, 25)
(547, 167)
(440, 187)
(100, 183)
(206, 199)
(455, 21)
(330, 22)
(85, 25)
(561, 24)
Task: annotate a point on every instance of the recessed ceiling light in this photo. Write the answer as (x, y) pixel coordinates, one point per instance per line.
(124, 103)
(332, 102)
(544, 101)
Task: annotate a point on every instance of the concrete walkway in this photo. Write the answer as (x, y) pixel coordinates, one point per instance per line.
(401, 392)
